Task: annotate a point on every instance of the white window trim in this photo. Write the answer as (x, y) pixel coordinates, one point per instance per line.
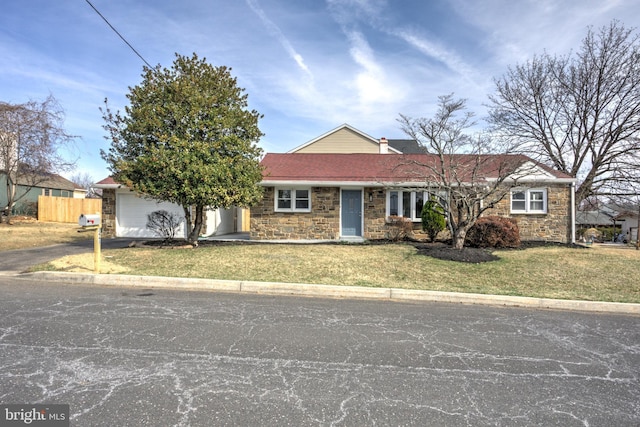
(527, 201)
(293, 199)
(417, 217)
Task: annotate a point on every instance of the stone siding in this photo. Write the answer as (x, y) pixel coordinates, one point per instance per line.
(109, 212)
(376, 226)
(322, 223)
(554, 226)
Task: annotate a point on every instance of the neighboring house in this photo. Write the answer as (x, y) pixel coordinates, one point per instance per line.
(26, 197)
(597, 218)
(606, 217)
(124, 214)
(629, 223)
(345, 185)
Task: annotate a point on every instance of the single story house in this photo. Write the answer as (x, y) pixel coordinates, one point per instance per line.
(124, 214)
(345, 185)
(629, 224)
(28, 189)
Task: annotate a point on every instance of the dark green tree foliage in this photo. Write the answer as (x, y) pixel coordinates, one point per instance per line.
(433, 220)
(187, 137)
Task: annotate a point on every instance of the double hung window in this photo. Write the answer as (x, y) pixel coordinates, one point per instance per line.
(531, 200)
(293, 200)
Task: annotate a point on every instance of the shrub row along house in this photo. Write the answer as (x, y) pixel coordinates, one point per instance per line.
(345, 185)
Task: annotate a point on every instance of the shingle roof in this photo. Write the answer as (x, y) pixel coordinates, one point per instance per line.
(108, 180)
(52, 180)
(407, 146)
(384, 167)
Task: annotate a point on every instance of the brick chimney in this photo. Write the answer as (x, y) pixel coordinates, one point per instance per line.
(384, 146)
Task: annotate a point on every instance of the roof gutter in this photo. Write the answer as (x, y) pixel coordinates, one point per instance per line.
(108, 186)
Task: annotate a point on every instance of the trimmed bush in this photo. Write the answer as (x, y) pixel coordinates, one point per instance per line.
(433, 220)
(494, 232)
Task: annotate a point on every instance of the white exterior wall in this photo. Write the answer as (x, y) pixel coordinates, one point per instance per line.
(132, 211)
(630, 228)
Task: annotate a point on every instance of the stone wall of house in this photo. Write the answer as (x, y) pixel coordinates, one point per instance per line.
(323, 223)
(109, 212)
(324, 220)
(376, 224)
(554, 226)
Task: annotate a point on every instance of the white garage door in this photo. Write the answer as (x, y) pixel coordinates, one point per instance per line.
(132, 211)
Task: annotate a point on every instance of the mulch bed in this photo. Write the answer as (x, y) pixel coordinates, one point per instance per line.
(448, 253)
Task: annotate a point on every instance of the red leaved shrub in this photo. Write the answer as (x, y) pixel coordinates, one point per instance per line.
(494, 232)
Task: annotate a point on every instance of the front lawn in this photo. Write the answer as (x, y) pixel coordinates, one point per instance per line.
(26, 233)
(597, 274)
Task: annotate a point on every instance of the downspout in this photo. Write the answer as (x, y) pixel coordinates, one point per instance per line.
(573, 212)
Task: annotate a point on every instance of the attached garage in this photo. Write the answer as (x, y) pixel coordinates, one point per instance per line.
(132, 211)
(124, 214)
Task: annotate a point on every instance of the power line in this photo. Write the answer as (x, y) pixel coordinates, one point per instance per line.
(119, 35)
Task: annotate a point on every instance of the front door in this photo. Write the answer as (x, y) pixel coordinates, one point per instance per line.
(351, 213)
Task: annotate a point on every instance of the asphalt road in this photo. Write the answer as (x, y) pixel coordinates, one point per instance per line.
(137, 357)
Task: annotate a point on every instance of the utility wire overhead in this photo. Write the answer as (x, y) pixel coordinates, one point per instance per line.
(119, 35)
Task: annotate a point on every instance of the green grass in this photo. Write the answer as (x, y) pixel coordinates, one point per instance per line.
(597, 274)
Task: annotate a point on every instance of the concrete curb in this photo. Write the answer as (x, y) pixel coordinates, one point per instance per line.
(329, 291)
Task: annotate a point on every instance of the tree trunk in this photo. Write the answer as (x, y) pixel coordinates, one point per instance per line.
(11, 194)
(192, 237)
(638, 230)
(187, 221)
(459, 237)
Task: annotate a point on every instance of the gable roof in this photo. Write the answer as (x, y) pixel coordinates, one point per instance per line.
(107, 183)
(407, 146)
(378, 169)
(344, 126)
(49, 180)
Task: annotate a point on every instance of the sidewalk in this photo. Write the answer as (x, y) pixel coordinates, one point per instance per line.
(329, 291)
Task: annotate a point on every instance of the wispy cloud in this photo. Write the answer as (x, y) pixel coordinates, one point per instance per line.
(371, 82)
(437, 52)
(275, 31)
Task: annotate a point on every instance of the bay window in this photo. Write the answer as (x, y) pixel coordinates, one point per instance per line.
(407, 204)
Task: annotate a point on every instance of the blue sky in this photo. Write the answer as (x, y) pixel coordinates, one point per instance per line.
(307, 65)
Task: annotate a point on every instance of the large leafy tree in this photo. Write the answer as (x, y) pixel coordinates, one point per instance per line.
(187, 137)
(579, 113)
(32, 135)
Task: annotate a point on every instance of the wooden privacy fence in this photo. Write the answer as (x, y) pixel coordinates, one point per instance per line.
(66, 209)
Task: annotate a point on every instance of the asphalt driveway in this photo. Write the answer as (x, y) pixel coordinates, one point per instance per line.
(20, 260)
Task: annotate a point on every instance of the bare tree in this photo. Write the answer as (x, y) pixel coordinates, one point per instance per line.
(579, 113)
(86, 181)
(31, 135)
(459, 170)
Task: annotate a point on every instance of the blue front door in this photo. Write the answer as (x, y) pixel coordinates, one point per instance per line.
(351, 213)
